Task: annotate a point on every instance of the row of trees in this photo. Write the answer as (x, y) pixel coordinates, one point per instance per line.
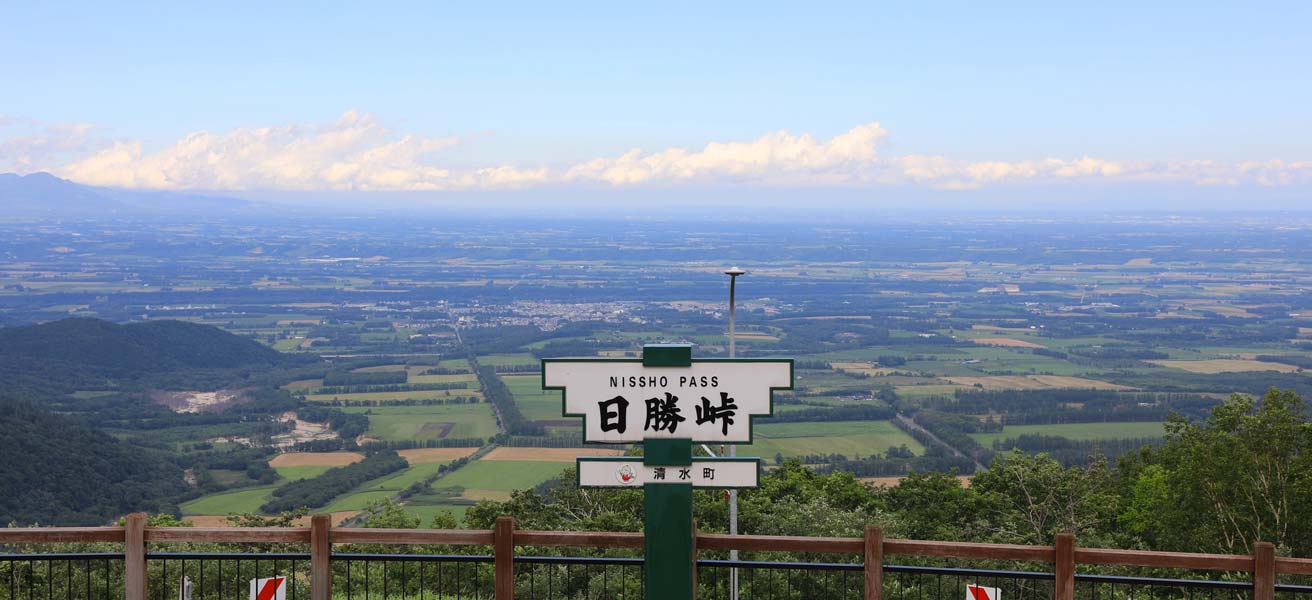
(320, 490)
(496, 392)
(1242, 475)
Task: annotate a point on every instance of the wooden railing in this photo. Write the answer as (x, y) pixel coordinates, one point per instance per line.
(1064, 555)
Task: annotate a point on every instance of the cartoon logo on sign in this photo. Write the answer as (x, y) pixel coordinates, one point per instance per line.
(625, 474)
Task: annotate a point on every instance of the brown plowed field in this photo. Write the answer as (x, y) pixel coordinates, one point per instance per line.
(315, 459)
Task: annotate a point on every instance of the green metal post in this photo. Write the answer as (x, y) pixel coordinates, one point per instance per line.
(668, 527)
(668, 541)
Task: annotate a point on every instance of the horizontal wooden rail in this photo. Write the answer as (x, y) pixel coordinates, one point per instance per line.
(578, 538)
(969, 550)
(704, 541)
(1163, 560)
(53, 535)
(288, 535)
(451, 537)
(778, 543)
(1294, 566)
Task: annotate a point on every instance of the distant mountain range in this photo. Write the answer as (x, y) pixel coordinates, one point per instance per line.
(43, 194)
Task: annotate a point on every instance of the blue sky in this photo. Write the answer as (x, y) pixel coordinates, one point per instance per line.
(977, 94)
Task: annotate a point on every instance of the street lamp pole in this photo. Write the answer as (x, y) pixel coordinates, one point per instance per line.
(733, 274)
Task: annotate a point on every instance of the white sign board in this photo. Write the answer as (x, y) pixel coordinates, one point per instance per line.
(630, 472)
(269, 588)
(709, 401)
(979, 592)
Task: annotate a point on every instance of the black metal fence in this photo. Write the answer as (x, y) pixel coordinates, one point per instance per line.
(356, 576)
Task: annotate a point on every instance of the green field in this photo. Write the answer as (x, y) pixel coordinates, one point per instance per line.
(1076, 431)
(533, 401)
(496, 360)
(393, 423)
(412, 395)
(427, 512)
(470, 377)
(246, 500)
(355, 501)
(502, 475)
(294, 473)
(849, 438)
(482, 479)
(402, 479)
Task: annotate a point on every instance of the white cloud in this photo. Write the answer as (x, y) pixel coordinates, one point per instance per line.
(357, 152)
(776, 158)
(38, 145)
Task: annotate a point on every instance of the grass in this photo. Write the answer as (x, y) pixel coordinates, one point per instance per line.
(1077, 431)
(395, 423)
(470, 377)
(534, 402)
(427, 512)
(495, 360)
(300, 472)
(502, 475)
(246, 500)
(402, 479)
(482, 479)
(849, 438)
(413, 395)
(355, 501)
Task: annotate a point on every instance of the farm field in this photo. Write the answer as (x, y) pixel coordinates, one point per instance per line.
(419, 456)
(486, 479)
(1220, 365)
(246, 500)
(1035, 382)
(303, 472)
(499, 360)
(415, 377)
(409, 395)
(315, 459)
(565, 455)
(395, 423)
(1077, 431)
(849, 438)
(535, 403)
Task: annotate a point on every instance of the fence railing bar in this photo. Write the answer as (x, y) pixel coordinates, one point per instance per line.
(960, 571)
(1262, 566)
(366, 557)
(1164, 582)
(224, 555)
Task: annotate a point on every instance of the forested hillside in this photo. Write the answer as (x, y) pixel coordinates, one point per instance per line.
(79, 353)
(87, 435)
(56, 471)
(133, 349)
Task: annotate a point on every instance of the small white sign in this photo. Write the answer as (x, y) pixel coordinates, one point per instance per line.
(626, 472)
(269, 588)
(979, 592)
(709, 401)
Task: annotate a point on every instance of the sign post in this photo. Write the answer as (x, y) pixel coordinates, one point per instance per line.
(667, 401)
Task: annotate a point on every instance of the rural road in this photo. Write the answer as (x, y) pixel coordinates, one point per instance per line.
(907, 423)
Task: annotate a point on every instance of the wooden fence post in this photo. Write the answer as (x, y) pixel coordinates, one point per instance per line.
(321, 557)
(874, 563)
(1064, 584)
(1264, 571)
(503, 552)
(134, 557)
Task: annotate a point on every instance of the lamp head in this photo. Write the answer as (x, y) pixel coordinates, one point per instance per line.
(734, 271)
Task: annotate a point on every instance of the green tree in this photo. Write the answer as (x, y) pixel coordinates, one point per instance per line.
(1244, 475)
(1035, 498)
